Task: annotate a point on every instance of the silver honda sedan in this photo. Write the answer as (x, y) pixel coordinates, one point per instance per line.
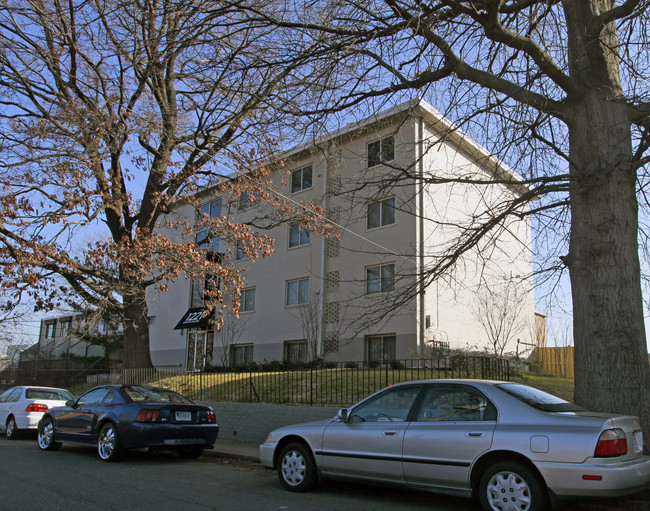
(512, 446)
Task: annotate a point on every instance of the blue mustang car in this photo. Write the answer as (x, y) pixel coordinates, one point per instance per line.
(118, 417)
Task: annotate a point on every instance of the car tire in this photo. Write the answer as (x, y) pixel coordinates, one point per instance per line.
(296, 467)
(12, 430)
(511, 485)
(46, 439)
(190, 452)
(109, 447)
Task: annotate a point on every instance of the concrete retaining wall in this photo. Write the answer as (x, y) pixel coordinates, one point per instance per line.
(251, 422)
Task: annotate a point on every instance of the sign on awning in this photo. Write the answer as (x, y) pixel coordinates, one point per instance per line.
(193, 318)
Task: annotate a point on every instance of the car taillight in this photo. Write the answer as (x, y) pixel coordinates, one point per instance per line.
(211, 418)
(612, 442)
(147, 415)
(36, 407)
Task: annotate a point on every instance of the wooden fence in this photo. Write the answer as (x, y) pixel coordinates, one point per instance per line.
(555, 361)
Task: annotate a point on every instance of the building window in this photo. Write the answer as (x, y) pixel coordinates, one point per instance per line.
(64, 329)
(380, 279)
(247, 303)
(239, 251)
(295, 352)
(204, 237)
(381, 213)
(241, 355)
(50, 329)
(381, 151)
(301, 179)
(298, 236)
(247, 200)
(297, 292)
(380, 348)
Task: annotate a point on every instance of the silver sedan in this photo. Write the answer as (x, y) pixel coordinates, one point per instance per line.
(511, 446)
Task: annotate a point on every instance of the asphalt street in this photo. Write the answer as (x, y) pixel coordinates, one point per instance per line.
(73, 479)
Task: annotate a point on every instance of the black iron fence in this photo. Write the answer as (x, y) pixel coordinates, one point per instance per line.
(321, 384)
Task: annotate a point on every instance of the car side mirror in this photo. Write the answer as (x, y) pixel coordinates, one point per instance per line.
(343, 415)
(69, 403)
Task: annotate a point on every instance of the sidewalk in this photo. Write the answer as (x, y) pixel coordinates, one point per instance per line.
(231, 449)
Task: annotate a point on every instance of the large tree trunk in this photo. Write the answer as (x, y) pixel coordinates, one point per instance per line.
(136, 352)
(611, 364)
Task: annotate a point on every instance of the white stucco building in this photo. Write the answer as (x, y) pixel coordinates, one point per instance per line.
(358, 297)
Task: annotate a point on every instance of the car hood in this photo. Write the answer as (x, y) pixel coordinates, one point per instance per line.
(321, 424)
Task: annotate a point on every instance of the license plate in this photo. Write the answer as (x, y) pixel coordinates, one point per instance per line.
(638, 437)
(184, 416)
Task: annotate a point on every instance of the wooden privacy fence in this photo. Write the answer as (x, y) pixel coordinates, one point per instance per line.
(324, 384)
(556, 361)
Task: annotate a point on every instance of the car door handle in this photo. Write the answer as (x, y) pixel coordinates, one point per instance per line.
(390, 433)
(477, 434)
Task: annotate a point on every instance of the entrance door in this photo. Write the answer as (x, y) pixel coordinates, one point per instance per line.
(199, 350)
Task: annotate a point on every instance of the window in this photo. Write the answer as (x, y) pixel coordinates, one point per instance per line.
(247, 303)
(380, 348)
(241, 354)
(301, 179)
(381, 151)
(380, 279)
(295, 351)
(239, 252)
(11, 396)
(298, 236)
(247, 200)
(392, 405)
(93, 397)
(207, 289)
(64, 329)
(204, 237)
(50, 329)
(381, 213)
(297, 292)
(52, 394)
(455, 403)
(539, 399)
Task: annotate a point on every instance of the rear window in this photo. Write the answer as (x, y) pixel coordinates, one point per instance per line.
(146, 395)
(51, 394)
(539, 399)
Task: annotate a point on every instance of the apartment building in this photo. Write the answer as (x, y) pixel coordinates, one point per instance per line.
(402, 187)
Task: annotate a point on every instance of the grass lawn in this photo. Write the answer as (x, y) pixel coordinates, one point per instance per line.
(319, 387)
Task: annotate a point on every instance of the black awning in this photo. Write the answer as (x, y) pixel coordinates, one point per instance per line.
(193, 318)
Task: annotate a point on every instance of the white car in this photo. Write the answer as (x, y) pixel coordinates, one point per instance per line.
(22, 407)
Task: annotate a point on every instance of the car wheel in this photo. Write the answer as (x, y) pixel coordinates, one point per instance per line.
(511, 486)
(12, 430)
(46, 435)
(109, 447)
(297, 469)
(190, 453)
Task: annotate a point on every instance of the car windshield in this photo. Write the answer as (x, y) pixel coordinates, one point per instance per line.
(51, 394)
(539, 399)
(147, 395)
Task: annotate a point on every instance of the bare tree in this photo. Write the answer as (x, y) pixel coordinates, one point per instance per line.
(225, 337)
(500, 310)
(111, 114)
(559, 87)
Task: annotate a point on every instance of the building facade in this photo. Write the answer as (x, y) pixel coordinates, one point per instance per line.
(406, 192)
(61, 345)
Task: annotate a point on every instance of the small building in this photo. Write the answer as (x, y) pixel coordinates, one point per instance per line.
(401, 187)
(64, 343)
